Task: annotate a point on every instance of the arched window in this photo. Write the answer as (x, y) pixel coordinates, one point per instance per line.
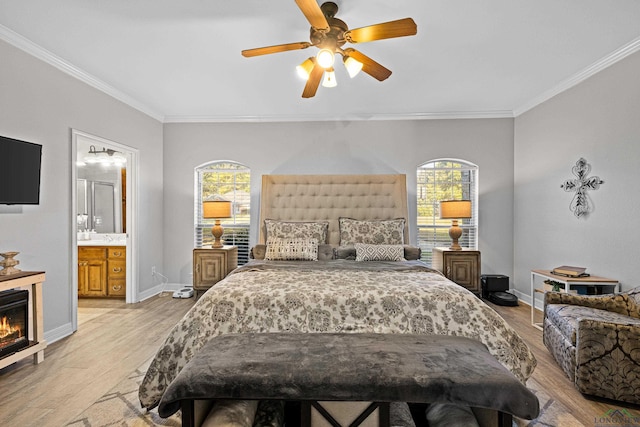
(231, 181)
(445, 179)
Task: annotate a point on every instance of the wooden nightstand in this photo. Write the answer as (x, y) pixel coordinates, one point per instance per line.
(462, 267)
(210, 265)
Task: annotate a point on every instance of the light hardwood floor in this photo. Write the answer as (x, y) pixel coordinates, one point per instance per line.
(589, 411)
(114, 338)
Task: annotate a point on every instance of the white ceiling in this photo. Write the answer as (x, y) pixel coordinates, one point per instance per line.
(179, 60)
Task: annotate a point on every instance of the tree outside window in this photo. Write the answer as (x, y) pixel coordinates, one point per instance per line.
(445, 179)
(230, 181)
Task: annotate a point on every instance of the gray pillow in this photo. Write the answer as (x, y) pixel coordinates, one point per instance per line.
(348, 252)
(297, 230)
(446, 414)
(376, 232)
(231, 413)
(365, 252)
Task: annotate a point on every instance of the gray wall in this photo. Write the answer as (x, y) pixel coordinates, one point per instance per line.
(41, 104)
(529, 157)
(341, 148)
(600, 121)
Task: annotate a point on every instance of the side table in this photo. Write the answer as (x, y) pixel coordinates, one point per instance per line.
(569, 283)
(462, 267)
(210, 265)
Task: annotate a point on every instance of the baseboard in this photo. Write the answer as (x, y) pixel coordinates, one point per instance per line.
(525, 298)
(58, 333)
(156, 290)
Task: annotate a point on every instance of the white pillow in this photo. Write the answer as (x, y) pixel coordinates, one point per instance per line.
(292, 249)
(365, 252)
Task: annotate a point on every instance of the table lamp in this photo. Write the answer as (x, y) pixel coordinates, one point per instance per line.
(216, 209)
(455, 210)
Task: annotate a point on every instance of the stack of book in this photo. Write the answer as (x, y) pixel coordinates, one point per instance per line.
(569, 271)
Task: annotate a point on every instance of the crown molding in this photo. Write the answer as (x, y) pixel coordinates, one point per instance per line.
(41, 53)
(452, 115)
(617, 55)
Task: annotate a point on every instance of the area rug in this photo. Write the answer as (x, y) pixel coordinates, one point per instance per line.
(121, 407)
(552, 412)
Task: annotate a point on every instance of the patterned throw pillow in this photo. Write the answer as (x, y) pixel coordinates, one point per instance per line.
(292, 250)
(231, 413)
(297, 230)
(270, 413)
(366, 252)
(376, 232)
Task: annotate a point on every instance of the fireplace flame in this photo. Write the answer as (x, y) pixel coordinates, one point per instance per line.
(6, 329)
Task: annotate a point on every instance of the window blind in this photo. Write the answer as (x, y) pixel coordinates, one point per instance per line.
(445, 179)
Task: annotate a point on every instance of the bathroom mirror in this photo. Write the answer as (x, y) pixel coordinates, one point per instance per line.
(98, 206)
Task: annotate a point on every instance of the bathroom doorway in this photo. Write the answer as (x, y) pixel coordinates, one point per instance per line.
(103, 216)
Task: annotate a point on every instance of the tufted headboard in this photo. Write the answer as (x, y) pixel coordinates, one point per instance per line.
(329, 197)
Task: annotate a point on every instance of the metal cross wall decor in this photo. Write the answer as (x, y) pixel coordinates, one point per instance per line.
(580, 205)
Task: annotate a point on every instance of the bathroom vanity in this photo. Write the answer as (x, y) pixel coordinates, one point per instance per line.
(102, 268)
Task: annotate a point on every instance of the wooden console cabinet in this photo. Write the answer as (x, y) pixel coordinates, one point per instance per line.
(33, 280)
(210, 265)
(462, 267)
(102, 271)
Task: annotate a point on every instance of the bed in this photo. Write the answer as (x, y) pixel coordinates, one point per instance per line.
(362, 277)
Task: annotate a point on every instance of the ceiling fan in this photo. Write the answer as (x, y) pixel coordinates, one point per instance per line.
(329, 34)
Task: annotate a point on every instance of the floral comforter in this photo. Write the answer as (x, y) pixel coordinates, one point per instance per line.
(334, 296)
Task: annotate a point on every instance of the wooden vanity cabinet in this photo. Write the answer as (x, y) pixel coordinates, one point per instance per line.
(116, 271)
(102, 271)
(92, 271)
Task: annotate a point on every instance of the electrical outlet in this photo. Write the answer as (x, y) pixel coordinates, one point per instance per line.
(153, 270)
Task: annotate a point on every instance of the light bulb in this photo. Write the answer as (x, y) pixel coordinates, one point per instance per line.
(353, 66)
(329, 78)
(325, 58)
(305, 68)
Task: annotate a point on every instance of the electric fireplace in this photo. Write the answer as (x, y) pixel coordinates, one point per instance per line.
(14, 321)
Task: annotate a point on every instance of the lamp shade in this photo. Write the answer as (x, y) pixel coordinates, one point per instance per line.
(353, 66)
(216, 209)
(329, 78)
(455, 209)
(304, 69)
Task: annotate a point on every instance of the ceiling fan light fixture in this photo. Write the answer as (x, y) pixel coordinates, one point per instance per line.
(329, 34)
(329, 78)
(325, 58)
(353, 66)
(305, 68)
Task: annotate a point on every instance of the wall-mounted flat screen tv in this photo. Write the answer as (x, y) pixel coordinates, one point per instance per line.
(19, 172)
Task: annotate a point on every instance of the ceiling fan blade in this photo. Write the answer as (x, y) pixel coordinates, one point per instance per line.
(313, 13)
(369, 66)
(248, 53)
(386, 30)
(313, 82)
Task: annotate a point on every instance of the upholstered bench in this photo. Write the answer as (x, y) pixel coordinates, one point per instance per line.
(312, 367)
